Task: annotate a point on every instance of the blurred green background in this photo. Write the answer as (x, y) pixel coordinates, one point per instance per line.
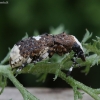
(21, 16)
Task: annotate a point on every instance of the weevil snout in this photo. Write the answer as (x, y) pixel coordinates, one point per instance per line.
(78, 51)
(81, 55)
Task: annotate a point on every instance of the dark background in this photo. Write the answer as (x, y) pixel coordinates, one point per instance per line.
(21, 16)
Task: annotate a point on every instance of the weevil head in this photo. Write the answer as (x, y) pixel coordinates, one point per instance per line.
(78, 49)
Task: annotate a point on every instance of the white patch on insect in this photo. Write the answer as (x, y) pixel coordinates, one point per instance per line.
(37, 37)
(78, 42)
(16, 58)
(14, 54)
(29, 60)
(71, 68)
(44, 56)
(44, 53)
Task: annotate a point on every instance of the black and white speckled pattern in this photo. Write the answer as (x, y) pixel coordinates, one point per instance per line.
(37, 48)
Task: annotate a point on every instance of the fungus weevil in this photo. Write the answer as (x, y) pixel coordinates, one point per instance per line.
(37, 48)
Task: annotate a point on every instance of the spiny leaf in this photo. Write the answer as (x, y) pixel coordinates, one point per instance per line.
(86, 36)
(77, 94)
(57, 30)
(91, 61)
(56, 74)
(3, 83)
(42, 77)
(92, 48)
(26, 36)
(98, 38)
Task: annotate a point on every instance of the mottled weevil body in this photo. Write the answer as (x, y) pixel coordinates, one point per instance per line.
(37, 48)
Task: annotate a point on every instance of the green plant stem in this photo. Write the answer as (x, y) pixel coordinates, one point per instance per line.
(73, 82)
(97, 91)
(5, 59)
(75, 93)
(42, 68)
(26, 95)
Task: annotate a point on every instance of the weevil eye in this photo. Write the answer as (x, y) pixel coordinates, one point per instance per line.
(78, 50)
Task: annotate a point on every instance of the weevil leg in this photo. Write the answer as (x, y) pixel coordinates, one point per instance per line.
(22, 66)
(69, 71)
(74, 63)
(37, 60)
